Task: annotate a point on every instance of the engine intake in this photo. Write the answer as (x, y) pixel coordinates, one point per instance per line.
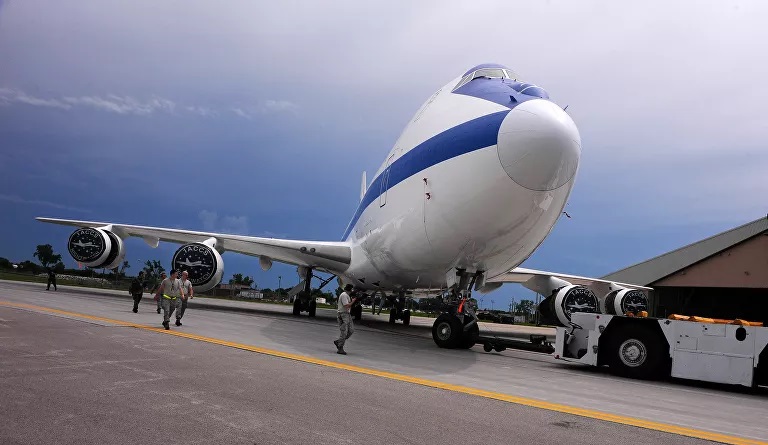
(558, 307)
(96, 248)
(622, 301)
(203, 263)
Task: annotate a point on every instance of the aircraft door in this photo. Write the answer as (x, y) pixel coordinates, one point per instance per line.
(385, 182)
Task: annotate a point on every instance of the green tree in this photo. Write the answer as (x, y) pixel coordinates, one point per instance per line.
(123, 267)
(152, 270)
(5, 263)
(525, 307)
(238, 278)
(29, 266)
(46, 256)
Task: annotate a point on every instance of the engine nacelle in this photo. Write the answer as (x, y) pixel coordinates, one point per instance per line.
(622, 301)
(558, 307)
(203, 263)
(96, 248)
(265, 262)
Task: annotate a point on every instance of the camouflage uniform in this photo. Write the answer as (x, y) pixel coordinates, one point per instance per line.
(344, 318)
(187, 286)
(170, 298)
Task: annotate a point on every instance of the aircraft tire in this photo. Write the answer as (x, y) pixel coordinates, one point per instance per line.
(406, 318)
(469, 338)
(447, 331)
(312, 308)
(392, 315)
(296, 305)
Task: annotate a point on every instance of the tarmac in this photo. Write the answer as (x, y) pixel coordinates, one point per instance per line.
(77, 366)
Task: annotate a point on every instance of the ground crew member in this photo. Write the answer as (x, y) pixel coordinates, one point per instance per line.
(137, 290)
(344, 318)
(188, 292)
(154, 291)
(51, 279)
(169, 293)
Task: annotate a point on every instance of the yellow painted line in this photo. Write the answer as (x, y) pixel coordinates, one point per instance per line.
(583, 412)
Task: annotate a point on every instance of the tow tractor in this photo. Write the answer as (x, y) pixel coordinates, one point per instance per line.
(696, 348)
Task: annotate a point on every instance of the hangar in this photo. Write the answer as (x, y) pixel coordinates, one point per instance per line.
(723, 276)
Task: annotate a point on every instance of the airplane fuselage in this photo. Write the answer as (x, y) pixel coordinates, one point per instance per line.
(476, 181)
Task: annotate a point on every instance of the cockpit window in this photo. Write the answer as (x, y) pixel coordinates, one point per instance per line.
(486, 73)
(490, 73)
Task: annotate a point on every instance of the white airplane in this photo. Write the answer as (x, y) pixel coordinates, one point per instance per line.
(471, 188)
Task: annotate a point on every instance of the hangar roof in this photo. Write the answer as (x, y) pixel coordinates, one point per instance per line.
(650, 271)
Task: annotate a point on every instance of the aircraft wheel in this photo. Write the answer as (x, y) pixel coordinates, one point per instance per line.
(392, 315)
(312, 308)
(446, 331)
(296, 305)
(487, 347)
(357, 312)
(469, 337)
(406, 318)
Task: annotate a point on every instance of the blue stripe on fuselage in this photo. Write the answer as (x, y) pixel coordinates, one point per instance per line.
(456, 141)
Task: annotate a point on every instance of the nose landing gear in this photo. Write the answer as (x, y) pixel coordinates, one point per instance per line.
(456, 328)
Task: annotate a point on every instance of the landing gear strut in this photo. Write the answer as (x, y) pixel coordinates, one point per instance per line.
(303, 301)
(456, 328)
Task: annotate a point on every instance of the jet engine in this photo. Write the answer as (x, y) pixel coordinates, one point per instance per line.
(621, 301)
(202, 262)
(96, 248)
(558, 307)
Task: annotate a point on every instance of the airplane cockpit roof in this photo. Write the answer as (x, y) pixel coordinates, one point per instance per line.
(487, 71)
(499, 84)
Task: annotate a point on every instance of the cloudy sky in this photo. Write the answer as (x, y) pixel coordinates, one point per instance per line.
(259, 117)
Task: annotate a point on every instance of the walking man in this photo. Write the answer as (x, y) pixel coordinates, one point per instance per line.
(344, 318)
(51, 279)
(187, 293)
(137, 290)
(154, 291)
(170, 294)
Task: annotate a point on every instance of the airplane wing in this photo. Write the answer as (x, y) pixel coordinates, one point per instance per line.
(330, 256)
(544, 282)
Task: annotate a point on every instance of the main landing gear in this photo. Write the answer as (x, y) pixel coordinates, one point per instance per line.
(456, 328)
(303, 302)
(398, 307)
(398, 310)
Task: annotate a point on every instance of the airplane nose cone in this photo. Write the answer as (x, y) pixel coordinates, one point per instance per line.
(539, 145)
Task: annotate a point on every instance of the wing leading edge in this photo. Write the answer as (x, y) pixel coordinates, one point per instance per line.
(543, 282)
(332, 256)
